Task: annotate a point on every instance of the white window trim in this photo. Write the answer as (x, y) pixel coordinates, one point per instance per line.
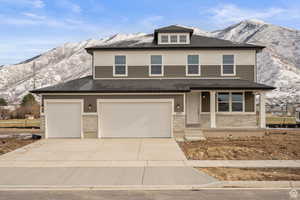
(114, 67)
(187, 64)
(234, 65)
(230, 103)
(169, 38)
(162, 65)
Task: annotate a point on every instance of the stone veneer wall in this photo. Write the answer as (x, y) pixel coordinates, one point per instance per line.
(42, 123)
(236, 121)
(90, 126)
(178, 125)
(205, 120)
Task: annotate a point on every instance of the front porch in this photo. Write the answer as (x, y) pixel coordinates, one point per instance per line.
(222, 113)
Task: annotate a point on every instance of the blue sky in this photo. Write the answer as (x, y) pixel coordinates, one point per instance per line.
(30, 27)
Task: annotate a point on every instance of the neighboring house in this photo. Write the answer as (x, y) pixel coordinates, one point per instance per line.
(173, 84)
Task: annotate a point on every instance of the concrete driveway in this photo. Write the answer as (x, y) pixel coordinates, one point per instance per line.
(100, 163)
(96, 152)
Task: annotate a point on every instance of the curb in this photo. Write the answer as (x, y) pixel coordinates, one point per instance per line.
(222, 185)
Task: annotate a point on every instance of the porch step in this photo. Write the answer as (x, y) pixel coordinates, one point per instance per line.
(193, 134)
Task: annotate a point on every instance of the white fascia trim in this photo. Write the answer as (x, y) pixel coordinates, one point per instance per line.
(170, 78)
(234, 65)
(170, 93)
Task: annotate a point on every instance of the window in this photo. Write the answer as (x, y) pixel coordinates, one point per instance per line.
(228, 65)
(120, 66)
(173, 38)
(237, 102)
(182, 39)
(164, 39)
(230, 102)
(223, 102)
(156, 65)
(193, 68)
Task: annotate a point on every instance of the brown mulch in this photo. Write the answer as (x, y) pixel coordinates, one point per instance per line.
(10, 144)
(275, 146)
(254, 174)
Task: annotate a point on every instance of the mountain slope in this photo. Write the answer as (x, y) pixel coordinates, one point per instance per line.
(278, 64)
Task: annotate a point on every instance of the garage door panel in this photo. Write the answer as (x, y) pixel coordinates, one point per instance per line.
(63, 120)
(135, 119)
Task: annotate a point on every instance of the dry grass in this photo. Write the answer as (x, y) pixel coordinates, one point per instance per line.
(270, 147)
(10, 144)
(254, 174)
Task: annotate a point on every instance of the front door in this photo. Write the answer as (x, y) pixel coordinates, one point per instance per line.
(193, 101)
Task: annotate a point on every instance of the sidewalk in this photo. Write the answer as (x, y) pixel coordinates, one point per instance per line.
(183, 163)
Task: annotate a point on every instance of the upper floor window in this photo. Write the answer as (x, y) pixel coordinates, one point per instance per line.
(228, 66)
(156, 67)
(193, 67)
(182, 38)
(164, 39)
(173, 38)
(120, 68)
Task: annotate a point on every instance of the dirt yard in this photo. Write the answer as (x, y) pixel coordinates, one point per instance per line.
(275, 146)
(247, 174)
(10, 144)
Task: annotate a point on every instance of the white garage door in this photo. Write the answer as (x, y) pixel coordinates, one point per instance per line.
(63, 119)
(135, 119)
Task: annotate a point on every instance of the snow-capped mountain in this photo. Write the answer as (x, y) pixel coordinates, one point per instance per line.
(278, 64)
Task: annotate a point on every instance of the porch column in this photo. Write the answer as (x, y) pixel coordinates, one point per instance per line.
(262, 110)
(212, 109)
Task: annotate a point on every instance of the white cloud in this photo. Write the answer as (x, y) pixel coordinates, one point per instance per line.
(33, 15)
(33, 3)
(230, 13)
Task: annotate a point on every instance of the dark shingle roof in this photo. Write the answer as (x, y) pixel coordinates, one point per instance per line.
(173, 29)
(88, 84)
(197, 42)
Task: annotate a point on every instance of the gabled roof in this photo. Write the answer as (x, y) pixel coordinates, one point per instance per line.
(89, 85)
(173, 29)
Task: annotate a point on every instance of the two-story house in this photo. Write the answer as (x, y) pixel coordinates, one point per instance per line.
(172, 84)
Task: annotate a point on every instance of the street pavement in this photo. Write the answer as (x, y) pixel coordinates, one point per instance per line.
(224, 194)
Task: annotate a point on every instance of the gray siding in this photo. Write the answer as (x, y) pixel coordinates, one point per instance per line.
(249, 102)
(210, 70)
(138, 72)
(92, 99)
(104, 72)
(245, 72)
(174, 71)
